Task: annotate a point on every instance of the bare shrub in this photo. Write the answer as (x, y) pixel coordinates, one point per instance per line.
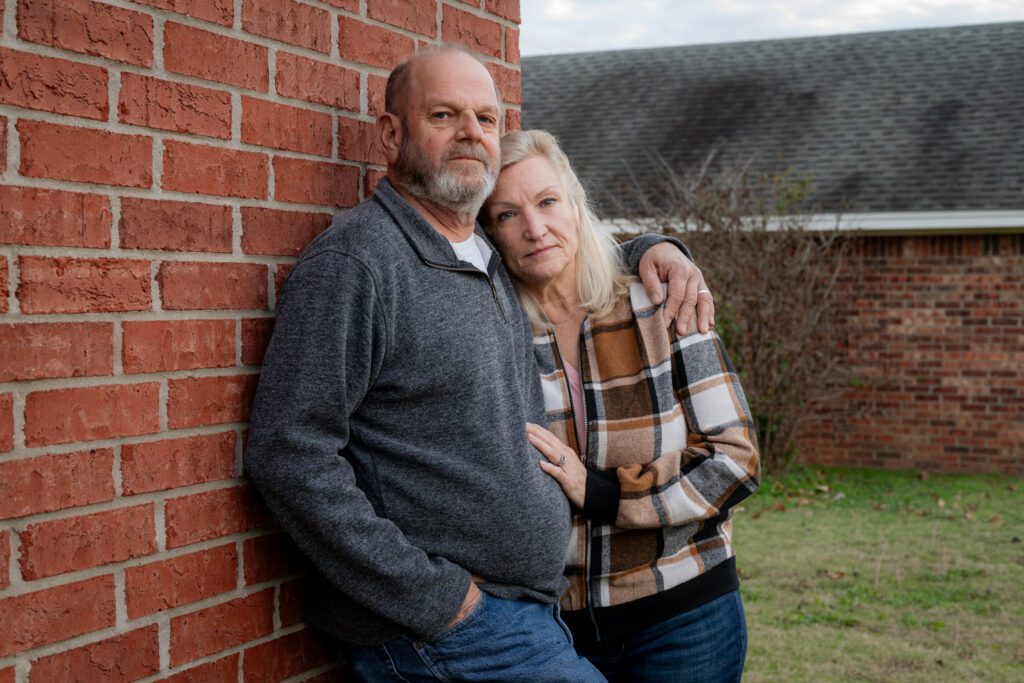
(774, 281)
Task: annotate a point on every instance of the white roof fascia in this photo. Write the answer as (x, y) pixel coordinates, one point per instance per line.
(912, 222)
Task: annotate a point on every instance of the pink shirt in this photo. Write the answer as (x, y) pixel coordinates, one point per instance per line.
(580, 408)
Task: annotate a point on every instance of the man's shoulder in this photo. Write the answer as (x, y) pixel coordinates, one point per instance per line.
(363, 232)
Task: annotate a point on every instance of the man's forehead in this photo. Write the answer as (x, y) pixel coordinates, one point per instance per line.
(453, 78)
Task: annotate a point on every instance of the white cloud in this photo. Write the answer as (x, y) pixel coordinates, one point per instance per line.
(551, 26)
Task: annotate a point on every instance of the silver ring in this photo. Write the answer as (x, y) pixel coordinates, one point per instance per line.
(562, 461)
(703, 291)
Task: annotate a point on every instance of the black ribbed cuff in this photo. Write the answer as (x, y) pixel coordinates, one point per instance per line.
(601, 501)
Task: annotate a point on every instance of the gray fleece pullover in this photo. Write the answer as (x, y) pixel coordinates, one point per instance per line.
(387, 434)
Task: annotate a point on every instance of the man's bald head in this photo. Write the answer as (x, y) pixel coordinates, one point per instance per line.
(400, 82)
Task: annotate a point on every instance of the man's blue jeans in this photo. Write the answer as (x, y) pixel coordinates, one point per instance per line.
(705, 645)
(500, 640)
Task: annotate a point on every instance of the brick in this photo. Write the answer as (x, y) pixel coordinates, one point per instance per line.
(513, 120)
(170, 583)
(307, 79)
(175, 226)
(376, 87)
(350, 5)
(282, 233)
(215, 11)
(508, 82)
(4, 293)
(373, 45)
(270, 557)
(126, 657)
(53, 218)
(315, 182)
(511, 45)
(214, 170)
(475, 32)
(289, 22)
(202, 516)
(3, 143)
(285, 657)
(173, 463)
(418, 16)
(213, 57)
(55, 482)
(213, 286)
(51, 615)
(255, 337)
(196, 401)
(6, 422)
(509, 9)
(66, 545)
(373, 177)
(357, 141)
(291, 600)
(225, 669)
(155, 103)
(90, 413)
(39, 351)
(88, 27)
(53, 85)
(89, 156)
(280, 277)
(281, 126)
(6, 675)
(70, 285)
(220, 627)
(5, 562)
(165, 345)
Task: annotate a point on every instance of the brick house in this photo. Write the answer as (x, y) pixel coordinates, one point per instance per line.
(914, 137)
(162, 163)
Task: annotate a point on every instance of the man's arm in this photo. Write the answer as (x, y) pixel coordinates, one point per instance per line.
(657, 259)
(329, 341)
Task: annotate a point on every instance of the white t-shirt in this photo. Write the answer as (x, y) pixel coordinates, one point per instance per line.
(474, 251)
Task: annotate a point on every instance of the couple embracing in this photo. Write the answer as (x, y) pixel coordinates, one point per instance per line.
(506, 458)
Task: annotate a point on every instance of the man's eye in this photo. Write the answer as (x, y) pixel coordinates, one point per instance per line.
(488, 120)
(440, 115)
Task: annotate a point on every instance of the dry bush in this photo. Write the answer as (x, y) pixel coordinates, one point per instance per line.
(774, 283)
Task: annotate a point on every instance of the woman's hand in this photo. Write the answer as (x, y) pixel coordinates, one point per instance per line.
(561, 463)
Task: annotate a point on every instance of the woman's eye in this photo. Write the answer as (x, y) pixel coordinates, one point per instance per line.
(547, 201)
(505, 215)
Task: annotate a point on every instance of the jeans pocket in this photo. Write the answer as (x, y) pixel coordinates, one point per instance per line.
(557, 611)
(466, 622)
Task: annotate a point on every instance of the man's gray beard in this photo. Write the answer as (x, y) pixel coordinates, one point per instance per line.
(441, 185)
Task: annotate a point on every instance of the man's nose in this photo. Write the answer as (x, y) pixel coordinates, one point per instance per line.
(469, 127)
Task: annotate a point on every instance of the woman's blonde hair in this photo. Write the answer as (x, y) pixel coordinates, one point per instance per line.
(601, 279)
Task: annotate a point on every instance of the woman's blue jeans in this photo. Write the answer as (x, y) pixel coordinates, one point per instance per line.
(705, 645)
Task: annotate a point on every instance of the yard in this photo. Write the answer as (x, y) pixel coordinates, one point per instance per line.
(863, 575)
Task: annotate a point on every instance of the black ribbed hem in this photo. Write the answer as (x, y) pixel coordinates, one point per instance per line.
(601, 501)
(619, 621)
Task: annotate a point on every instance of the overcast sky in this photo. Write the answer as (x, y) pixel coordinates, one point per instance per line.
(553, 26)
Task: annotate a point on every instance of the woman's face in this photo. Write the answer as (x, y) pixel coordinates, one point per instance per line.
(533, 223)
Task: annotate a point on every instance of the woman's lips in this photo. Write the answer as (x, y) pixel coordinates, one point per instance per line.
(540, 251)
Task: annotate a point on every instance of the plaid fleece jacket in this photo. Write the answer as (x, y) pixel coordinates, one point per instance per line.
(669, 432)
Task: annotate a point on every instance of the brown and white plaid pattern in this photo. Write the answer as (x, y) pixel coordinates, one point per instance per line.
(668, 416)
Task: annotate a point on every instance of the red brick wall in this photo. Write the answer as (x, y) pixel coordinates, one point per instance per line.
(936, 339)
(162, 162)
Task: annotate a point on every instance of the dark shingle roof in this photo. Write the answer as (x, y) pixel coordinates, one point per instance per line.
(921, 120)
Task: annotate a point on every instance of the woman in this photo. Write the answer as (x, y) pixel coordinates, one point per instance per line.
(650, 437)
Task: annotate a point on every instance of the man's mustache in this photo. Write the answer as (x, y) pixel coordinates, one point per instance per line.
(464, 150)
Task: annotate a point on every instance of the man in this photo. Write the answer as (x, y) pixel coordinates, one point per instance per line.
(388, 433)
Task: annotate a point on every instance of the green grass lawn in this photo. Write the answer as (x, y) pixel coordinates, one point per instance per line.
(866, 575)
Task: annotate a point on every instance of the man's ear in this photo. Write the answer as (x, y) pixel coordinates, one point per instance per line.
(389, 136)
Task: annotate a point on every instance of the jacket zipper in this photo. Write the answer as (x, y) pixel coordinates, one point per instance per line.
(494, 291)
(587, 602)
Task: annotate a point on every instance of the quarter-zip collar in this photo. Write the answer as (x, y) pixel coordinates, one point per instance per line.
(430, 245)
